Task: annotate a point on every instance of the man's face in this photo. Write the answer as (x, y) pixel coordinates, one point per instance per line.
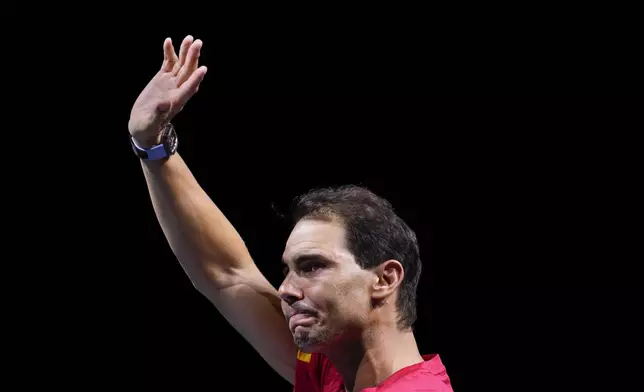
(325, 295)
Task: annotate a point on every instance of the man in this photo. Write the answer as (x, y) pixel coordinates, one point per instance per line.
(342, 318)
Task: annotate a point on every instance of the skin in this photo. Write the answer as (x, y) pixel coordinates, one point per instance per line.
(325, 280)
(353, 313)
(335, 307)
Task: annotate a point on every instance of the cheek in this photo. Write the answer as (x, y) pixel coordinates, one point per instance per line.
(345, 298)
(360, 299)
(352, 300)
(332, 300)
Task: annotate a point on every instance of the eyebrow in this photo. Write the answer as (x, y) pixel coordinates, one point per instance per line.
(307, 257)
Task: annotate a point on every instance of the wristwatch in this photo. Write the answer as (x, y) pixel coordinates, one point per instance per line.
(168, 146)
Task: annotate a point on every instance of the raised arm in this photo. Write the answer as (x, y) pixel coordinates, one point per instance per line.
(208, 247)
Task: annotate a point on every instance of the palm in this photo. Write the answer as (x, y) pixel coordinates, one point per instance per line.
(169, 90)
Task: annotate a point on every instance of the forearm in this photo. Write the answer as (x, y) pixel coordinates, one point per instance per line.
(206, 244)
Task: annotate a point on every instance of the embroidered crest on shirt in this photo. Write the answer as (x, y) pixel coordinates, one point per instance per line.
(304, 357)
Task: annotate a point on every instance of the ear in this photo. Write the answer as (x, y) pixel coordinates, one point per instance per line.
(388, 277)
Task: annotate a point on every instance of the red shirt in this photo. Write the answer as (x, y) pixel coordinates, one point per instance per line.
(315, 373)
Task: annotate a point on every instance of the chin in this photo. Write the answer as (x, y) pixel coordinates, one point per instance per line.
(309, 347)
(309, 341)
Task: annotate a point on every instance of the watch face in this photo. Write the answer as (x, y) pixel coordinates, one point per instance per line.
(170, 139)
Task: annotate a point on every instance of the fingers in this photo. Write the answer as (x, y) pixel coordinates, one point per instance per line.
(190, 64)
(190, 87)
(169, 56)
(183, 51)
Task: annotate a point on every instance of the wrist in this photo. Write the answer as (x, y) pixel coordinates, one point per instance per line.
(159, 147)
(147, 141)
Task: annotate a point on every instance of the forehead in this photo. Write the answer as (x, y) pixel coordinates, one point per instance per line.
(311, 236)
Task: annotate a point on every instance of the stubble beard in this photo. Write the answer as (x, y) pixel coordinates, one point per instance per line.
(311, 340)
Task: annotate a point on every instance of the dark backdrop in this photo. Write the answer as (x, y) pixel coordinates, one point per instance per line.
(518, 203)
(526, 207)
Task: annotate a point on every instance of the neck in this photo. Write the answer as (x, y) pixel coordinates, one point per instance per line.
(370, 360)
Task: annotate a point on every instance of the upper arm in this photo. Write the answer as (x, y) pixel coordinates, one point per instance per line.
(252, 306)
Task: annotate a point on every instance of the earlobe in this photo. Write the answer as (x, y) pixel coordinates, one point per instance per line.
(388, 277)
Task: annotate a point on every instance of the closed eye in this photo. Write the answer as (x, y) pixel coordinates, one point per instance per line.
(306, 264)
(304, 268)
(311, 267)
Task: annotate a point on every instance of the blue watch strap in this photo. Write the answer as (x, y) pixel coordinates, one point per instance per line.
(155, 153)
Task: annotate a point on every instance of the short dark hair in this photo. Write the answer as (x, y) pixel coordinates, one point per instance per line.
(374, 233)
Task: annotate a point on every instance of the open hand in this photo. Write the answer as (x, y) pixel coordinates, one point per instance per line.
(168, 91)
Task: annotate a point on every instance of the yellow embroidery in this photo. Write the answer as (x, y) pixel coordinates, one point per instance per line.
(304, 357)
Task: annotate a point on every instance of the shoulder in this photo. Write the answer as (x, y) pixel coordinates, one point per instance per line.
(315, 373)
(427, 376)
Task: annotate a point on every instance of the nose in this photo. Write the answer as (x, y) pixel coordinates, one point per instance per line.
(288, 291)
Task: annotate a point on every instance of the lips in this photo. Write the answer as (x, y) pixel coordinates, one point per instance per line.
(300, 319)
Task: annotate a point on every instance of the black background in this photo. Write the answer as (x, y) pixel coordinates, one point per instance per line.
(517, 164)
(519, 203)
